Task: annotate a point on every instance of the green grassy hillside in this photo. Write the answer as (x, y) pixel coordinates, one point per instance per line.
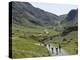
(24, 46)
(68, 42)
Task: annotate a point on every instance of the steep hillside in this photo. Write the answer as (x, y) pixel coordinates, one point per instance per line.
(62, 17)
(71, 19)
(23, 13)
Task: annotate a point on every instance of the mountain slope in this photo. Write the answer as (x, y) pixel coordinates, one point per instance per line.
(23, 13)
(71, 19)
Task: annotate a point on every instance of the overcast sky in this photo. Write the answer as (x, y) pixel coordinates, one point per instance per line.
(57, 9)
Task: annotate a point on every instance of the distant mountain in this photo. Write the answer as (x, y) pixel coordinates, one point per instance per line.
(23, 13)
(68, 20)
(71, 19)
(72, 14)
(62, 17)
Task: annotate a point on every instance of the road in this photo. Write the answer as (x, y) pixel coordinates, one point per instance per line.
(61, 52)
(56, 53)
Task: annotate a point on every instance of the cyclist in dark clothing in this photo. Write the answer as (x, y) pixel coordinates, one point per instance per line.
(52, 50)
(59, 48)
(49, 46)
(56, 51)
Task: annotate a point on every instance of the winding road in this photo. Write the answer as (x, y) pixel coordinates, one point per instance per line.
(54, 52)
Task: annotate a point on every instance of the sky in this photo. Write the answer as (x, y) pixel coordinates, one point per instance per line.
(58, 9)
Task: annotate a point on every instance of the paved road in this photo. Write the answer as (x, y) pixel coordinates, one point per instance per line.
(56, 53)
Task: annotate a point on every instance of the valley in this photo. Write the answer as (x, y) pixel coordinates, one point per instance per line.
(37, 33)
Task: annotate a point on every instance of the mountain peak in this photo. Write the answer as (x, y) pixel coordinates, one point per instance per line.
(72, 14)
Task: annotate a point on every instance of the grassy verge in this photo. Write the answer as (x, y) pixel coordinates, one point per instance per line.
(24, 47)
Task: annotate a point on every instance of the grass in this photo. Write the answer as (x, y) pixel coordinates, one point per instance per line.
(23, 46)
(70, 44)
